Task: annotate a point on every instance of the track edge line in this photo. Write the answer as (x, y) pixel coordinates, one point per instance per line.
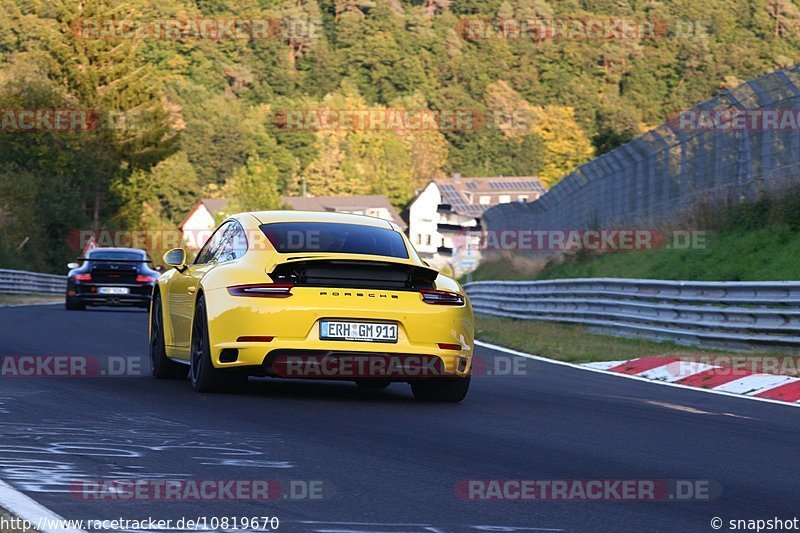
(578, 366)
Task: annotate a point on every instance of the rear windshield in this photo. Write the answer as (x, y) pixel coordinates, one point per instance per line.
(331, 237)
(117, 256)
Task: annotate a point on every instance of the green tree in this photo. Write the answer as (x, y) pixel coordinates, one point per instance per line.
(162, 195)
(566, 144)
(357, 8)
(253, 187)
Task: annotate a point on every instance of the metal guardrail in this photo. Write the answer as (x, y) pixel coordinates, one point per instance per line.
(22, 282)
(683, 311)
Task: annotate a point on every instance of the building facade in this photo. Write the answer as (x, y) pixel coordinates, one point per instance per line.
(444, 220)
(196, 228)
(373, 205)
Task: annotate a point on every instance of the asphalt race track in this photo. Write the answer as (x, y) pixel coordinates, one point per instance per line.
(385, 462)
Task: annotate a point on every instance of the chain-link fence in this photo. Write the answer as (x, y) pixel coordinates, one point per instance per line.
(733, 147)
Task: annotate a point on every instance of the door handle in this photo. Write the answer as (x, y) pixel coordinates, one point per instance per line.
(191, 290)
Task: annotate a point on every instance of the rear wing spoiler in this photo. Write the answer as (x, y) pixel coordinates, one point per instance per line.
(355, 274)
(115, 260)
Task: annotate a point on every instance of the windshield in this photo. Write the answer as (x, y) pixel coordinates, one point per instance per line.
(331, 237)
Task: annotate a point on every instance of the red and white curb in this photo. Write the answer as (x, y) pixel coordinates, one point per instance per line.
(672, 372)
(707, 377)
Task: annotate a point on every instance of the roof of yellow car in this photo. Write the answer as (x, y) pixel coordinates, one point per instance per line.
(268, 217)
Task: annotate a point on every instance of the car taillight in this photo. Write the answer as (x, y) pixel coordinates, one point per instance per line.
(262, 290)
(83, 277)
(430, 296)
(145, 279)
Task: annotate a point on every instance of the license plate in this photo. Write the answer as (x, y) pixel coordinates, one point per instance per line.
(357, 331)
(113, 290)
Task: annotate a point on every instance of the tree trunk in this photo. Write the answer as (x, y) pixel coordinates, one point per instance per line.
(430, 8)
(96, 209)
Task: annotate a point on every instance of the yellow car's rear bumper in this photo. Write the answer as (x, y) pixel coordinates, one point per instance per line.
(293, 324)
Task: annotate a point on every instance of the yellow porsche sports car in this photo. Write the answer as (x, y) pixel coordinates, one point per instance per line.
(311, 295)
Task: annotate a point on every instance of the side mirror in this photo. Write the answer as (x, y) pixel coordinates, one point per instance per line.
(176, 258)
(73, 265)
(159, 268)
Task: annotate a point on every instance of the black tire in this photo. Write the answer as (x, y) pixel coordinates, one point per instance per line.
(373, 383)
(203, 375)
(160, 365)
(71, 304)
(451, 390)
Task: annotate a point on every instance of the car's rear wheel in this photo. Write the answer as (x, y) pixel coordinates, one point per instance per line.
(204, 377)
(72, 304)
(441, 389)
(160, 365)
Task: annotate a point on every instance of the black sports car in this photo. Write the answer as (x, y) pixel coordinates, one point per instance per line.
(110, 276)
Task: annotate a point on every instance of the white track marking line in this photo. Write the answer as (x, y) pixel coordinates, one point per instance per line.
(627, 376)
(29, 304)
(687, 409)
(604, 365)
(29, 509)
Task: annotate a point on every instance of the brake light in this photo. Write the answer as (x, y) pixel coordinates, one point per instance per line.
(83, 277)
(430, 296)
(262, 290)
(144, 279)
(449, 346)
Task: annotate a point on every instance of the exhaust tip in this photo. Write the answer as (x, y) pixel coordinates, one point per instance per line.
(229, 355)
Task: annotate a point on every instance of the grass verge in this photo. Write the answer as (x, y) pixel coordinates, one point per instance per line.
(22, 299)
(766, 254)
(574, 343)
(7, 520)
